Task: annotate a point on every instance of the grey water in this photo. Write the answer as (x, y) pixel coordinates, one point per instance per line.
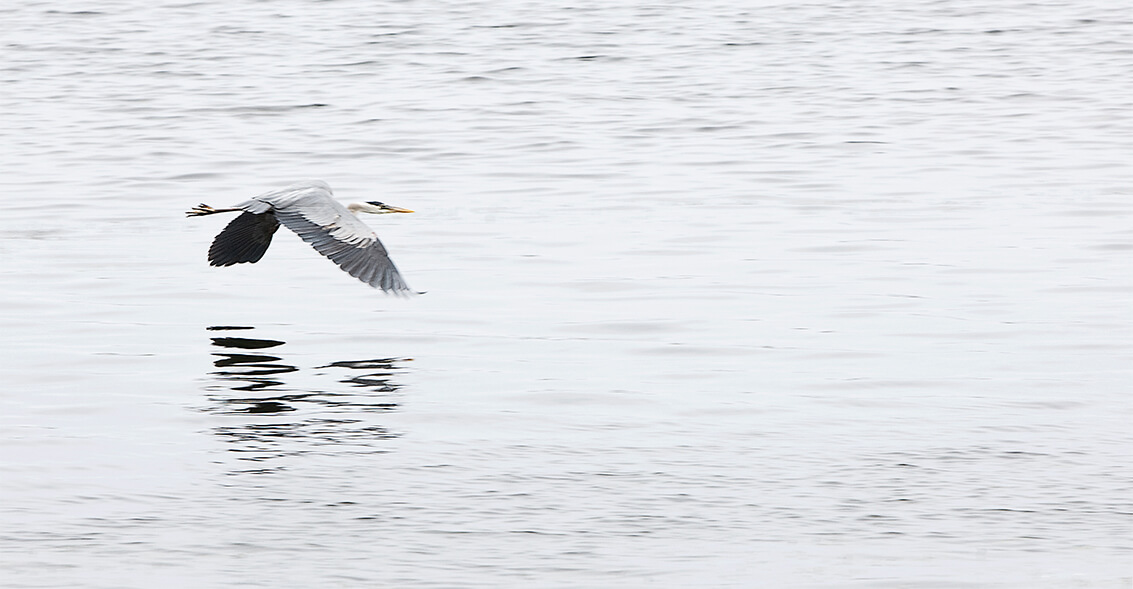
(718, 294)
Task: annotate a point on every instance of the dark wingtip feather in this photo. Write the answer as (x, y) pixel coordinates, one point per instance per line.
(244, 240)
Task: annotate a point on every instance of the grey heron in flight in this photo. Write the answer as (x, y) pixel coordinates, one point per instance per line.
(309, 209)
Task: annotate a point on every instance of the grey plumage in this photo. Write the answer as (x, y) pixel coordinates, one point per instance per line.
(310, 210)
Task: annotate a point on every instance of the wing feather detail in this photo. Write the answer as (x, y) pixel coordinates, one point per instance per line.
(351, 244)
(244, 240)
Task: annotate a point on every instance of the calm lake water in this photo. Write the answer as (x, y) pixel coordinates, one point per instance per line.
(724, 294)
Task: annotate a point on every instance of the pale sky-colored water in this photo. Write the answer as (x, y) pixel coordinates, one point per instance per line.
(757, 295)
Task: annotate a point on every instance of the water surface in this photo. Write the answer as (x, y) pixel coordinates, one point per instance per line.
(724, 295)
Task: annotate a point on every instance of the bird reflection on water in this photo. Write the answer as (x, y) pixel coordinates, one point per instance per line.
(292, 419)
(254, 370)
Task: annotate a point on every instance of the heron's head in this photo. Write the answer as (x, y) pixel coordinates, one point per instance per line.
(375, 207)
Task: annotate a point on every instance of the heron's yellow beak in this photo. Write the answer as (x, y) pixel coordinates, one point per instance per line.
(390, 209)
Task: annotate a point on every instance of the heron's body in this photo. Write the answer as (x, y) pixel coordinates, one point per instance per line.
(310, 210)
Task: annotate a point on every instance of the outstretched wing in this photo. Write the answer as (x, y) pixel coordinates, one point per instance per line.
(336, 233)
(245, 239)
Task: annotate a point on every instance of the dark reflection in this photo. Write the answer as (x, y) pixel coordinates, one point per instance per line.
(245, 343)
(325, 409)
(253, 370)
(239, 359)
(376, 380)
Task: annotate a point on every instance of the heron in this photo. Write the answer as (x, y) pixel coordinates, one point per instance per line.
(309, 209)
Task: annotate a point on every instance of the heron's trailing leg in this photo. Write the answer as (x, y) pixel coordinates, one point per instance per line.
(203, 209)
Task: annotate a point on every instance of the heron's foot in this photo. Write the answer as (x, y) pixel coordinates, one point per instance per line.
(201, 210)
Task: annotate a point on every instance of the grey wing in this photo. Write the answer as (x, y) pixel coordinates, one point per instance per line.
(337, 234)
(245, 239)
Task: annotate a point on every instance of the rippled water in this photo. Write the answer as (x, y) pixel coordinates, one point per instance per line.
(758, 294)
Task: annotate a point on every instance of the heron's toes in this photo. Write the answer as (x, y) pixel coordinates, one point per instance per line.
(200, 210)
